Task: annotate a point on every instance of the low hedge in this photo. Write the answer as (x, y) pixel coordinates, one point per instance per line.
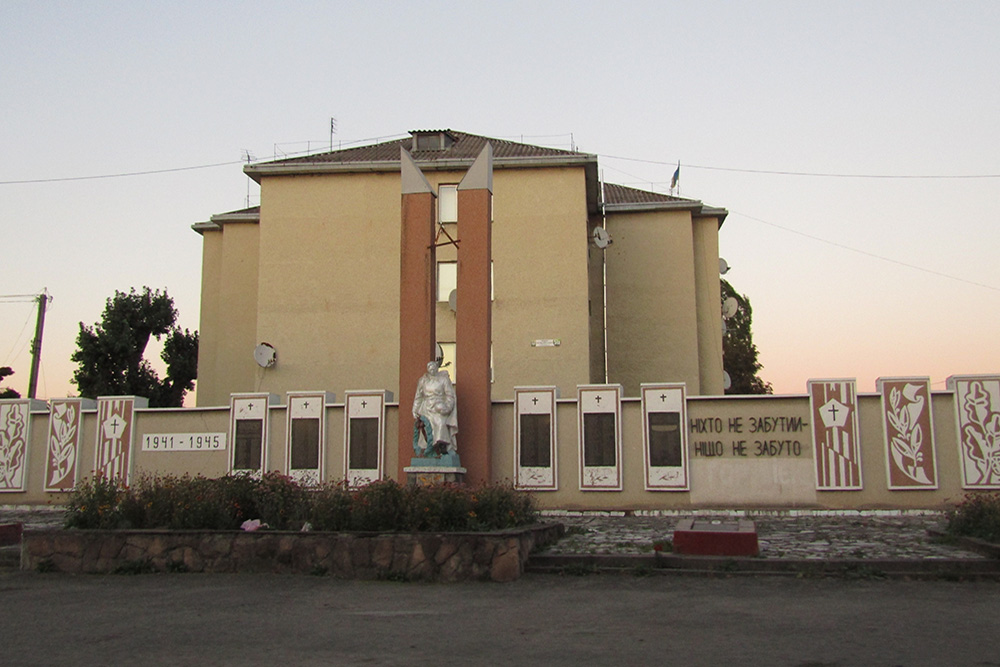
(978, 515)
(225, 503)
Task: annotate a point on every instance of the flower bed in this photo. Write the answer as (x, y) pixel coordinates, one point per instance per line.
(187, 524)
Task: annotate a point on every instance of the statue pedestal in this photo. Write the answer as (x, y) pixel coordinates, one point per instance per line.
(428, 471)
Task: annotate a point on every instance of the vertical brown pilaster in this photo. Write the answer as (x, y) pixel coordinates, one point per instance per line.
(473, 325)
(417, 335)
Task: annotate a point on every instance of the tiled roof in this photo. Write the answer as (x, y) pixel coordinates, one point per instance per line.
(465, 147)
(621, 194)
(243, 211)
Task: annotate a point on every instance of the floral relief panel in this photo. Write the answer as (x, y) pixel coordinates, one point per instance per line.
(14, 438)
(65, 419)
(909, 433)
(833, 405)
(977, 407)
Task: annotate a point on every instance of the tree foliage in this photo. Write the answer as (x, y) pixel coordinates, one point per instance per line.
(109, 355)
(739, 354)
(7, 392)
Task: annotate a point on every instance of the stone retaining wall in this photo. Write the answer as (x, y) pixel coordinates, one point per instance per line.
(447, 557)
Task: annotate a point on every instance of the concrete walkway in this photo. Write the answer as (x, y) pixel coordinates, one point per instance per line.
(781, 535)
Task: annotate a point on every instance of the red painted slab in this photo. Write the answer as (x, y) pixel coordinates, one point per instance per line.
(700, 537)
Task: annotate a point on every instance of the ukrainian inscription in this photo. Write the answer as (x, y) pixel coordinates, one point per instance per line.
(760, 436)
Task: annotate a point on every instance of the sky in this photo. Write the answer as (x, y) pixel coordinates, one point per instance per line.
(856, 146)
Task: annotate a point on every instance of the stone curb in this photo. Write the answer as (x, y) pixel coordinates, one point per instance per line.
(673, 564)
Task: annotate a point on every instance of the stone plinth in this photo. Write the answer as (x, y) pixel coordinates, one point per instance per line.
(429, 471)
(699, 537)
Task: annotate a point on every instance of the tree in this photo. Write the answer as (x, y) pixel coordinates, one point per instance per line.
(739, 354)
(109, 355)
(7, 392)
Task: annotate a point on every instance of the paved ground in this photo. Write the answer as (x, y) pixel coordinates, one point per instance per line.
(170, 619)
(794, 535)
(540, 619)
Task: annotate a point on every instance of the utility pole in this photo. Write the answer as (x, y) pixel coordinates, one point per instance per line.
(36, 345)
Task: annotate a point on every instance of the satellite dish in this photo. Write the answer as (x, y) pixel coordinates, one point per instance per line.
(453, 300)
(439, 351)
(723, 267)
(729, 307)
(265, 355)
(727, 382)
(601, 238)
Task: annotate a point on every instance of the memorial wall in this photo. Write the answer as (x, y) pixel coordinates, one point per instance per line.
(904, 447)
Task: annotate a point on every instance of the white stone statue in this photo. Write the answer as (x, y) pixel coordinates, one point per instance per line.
(434, 414)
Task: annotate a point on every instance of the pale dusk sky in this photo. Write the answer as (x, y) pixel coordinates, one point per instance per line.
(854, 144)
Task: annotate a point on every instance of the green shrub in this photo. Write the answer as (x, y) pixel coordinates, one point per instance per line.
(96, 504)
(977, 516)
(379, 506)
(330, 507)
(441, 507)
(282, 503)
(500, 506)
(177, 503)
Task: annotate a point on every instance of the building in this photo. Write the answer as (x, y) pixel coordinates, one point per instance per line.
(314, 271)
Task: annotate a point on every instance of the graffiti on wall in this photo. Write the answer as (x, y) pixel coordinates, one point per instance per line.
(834, 408)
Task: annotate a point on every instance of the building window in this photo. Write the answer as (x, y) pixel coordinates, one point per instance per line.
(447, 279)
(447, 203)
(448, 360)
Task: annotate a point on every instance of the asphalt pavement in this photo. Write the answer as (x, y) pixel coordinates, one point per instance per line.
(185, 619)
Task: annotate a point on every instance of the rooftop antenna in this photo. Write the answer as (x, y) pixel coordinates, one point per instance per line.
(333, 131)
(249, 157)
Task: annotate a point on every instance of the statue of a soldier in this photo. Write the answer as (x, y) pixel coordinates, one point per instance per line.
(434, 414)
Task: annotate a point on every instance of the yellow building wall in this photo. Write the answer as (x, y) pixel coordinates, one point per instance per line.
(228, 328)
(652, 304)
(328, 283)
(709, 308)
(326, 291)
(541, 281)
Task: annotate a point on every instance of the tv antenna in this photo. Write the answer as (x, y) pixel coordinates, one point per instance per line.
(265, 355)
(601, 238)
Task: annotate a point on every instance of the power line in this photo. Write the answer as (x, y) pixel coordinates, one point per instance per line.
(776, 172)
(119, 175)
(867, 254)
(773, 172)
